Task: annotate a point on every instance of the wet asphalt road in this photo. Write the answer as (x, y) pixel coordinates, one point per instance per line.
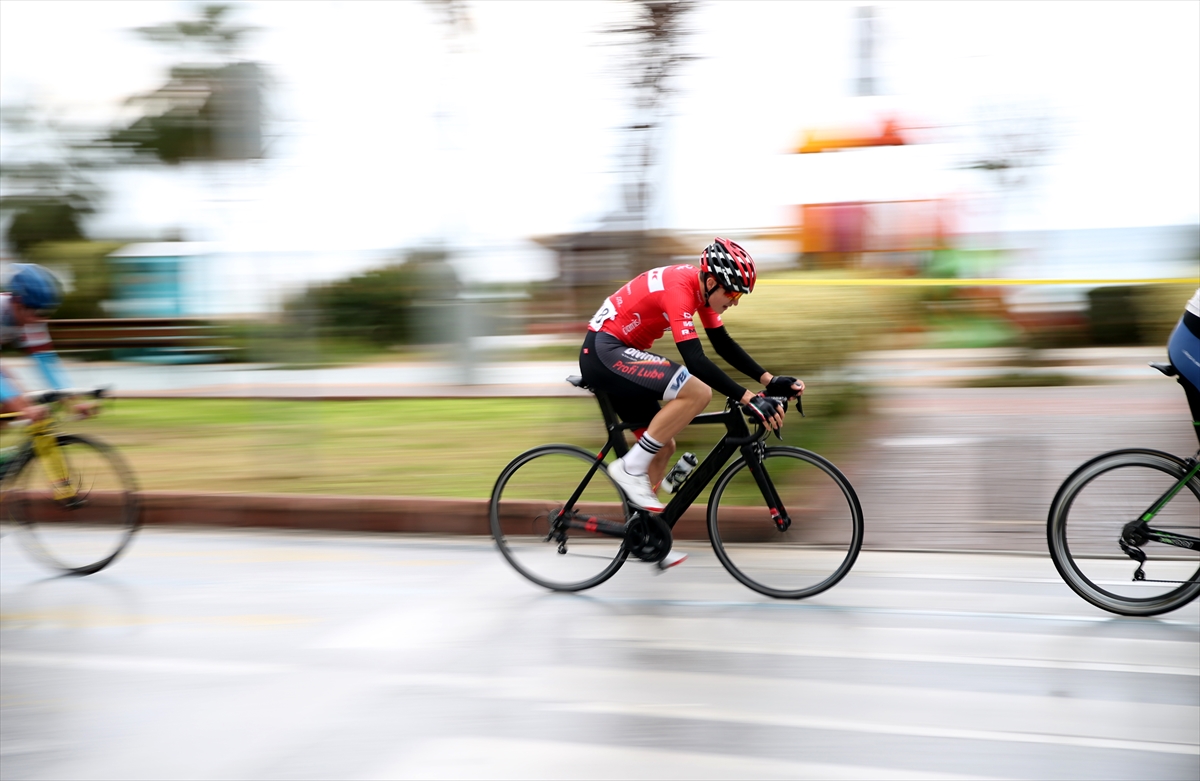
(249, 655)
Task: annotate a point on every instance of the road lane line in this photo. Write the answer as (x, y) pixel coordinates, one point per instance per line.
(817, 608)
(839, 653)
(138, 664)
(781, 720)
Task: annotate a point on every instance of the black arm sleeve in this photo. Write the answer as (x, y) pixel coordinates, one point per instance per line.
(732, 352)
(699, 364)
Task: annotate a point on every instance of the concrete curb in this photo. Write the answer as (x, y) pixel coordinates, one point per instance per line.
(395, 514)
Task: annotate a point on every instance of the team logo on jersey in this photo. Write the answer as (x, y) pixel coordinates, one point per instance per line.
(637, 320)
(636, 369)
(644, 358)
(654, 279)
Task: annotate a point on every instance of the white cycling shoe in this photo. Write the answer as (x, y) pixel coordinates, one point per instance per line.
(636, 487)
(672, 558)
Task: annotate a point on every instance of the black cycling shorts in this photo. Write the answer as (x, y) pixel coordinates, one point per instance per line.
(635, 380)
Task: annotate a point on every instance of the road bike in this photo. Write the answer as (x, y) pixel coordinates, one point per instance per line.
(1135, 504)
(72, 500)
(782, 520)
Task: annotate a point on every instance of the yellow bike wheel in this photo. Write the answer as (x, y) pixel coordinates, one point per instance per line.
(79, 526)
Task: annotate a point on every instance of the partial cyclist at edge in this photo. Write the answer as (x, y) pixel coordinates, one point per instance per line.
(615, 358)
(33, 293)
(1183, 351)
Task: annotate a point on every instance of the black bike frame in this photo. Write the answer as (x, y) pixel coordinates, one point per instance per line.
(738, 435)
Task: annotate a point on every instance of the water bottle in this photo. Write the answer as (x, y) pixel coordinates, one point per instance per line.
(683, 467)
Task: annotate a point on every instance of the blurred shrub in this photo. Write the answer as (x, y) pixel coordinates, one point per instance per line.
(1112, 315)
(1159, 308)
(811, 331)
(385, 306)
(802, 329)
(1135, 314)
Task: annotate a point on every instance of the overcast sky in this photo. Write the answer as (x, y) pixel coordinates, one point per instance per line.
(535, 98)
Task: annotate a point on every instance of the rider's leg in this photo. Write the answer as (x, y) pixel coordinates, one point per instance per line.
(652, 455)
(674, 417)
(661, 463)
(1183, 348)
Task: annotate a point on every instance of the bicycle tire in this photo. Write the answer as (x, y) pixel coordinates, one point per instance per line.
(819, 547)
(1084, 526)
(520, 509)
(88, 533)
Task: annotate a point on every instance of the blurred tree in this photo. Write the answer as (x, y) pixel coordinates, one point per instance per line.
(211, 107)
(46, 186)
(1012, 140)
(454, 14)
(654, 54)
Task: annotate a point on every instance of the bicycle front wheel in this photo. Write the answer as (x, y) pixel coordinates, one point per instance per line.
(529, 518)
(84, 529)
(819, 547)
(1089, 513)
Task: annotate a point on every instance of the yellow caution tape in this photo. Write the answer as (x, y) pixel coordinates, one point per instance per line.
(920, 282)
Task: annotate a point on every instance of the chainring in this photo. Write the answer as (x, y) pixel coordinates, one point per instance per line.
(648, 537)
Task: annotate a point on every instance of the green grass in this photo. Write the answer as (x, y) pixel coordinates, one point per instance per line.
(397, 447)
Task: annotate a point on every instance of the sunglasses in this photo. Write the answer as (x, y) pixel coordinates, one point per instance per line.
(732, 295)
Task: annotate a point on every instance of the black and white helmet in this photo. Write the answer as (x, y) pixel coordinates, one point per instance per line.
(730, 264)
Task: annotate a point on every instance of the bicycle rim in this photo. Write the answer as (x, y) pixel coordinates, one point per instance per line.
(83, 534)
(530, 492)
(1085, 523)
(819, 547)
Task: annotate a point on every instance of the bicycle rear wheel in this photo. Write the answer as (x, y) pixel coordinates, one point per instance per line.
(819, 547)
(86, 532)
(1089, 513)
(525, 517)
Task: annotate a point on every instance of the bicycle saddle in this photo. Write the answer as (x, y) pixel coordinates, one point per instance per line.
(578, 382)
(1166, 368)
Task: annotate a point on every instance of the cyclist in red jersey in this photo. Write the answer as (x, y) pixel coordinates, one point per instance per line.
(615, 358)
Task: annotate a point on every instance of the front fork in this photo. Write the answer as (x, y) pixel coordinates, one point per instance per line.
(50, 455)
(755, 454)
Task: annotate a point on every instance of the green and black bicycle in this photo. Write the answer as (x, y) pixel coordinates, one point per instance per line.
(1130, 508)
(782, 520)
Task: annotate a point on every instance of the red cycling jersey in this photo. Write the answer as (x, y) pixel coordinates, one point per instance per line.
(639, 313)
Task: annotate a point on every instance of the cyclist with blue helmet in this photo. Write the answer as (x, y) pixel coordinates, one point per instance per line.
(32, 294)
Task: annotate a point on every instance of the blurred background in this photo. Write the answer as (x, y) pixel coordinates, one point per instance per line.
(349, 249)
(276, 185)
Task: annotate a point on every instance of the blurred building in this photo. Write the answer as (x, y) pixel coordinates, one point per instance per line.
(865, 230)
(592, 264)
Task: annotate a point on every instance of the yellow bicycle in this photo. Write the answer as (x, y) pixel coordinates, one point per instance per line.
(72, 499)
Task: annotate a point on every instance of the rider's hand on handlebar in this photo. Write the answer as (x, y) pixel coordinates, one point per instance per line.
(85, 409)
(33, 412)
(766, 411)
(785, 387)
